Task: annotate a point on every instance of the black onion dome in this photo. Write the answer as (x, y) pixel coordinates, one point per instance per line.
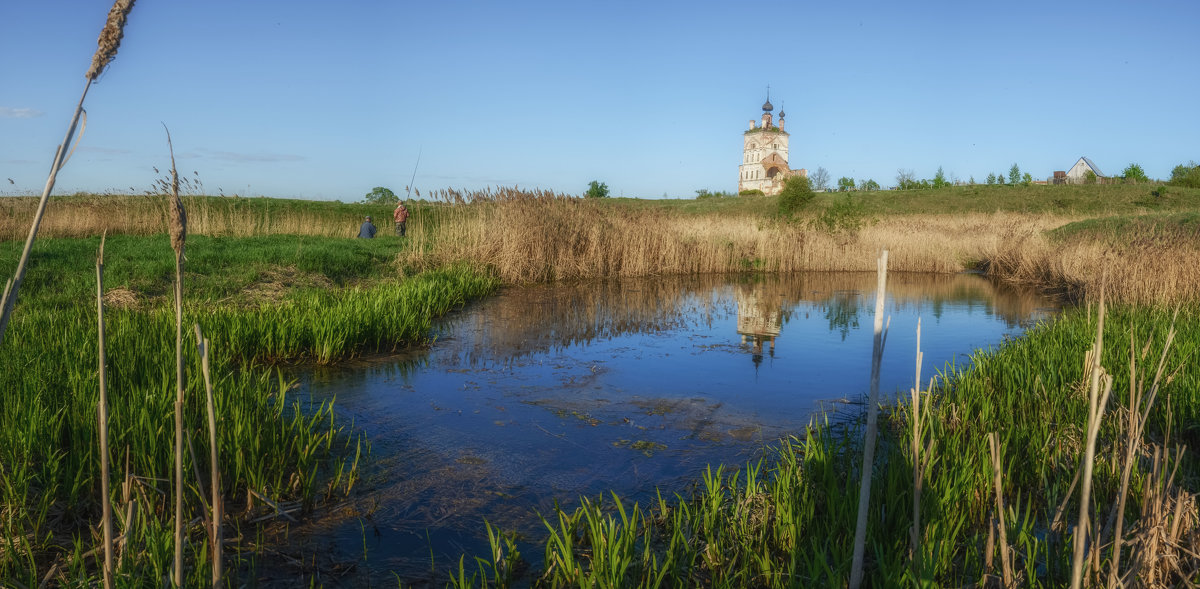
(781, 115)
(767, 106)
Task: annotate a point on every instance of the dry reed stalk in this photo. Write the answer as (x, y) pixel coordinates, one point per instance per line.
(110, 39)
(1139, 412)
(102, 415)
(130, 510)
(1097, 401)
(178, 231)
(864, 488)
(1131, 442)
(993, 439)
(920, 457)
(215, 476)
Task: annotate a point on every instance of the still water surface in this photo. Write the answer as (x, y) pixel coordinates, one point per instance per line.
(545, 393)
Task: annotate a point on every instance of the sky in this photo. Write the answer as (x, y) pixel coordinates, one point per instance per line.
(326, 100)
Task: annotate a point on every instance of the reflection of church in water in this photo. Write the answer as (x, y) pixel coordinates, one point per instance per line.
(759, 321)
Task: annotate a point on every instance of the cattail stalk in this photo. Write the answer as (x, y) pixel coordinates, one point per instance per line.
(109, 41)
(1139, 412)
(102, 415)
(178, 231)
(215, 477)
(918, 464)
(864, 489)
(1097, 400)
(993, 439)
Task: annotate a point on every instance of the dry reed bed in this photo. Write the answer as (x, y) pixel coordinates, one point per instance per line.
(535, 236)
(536, 240)
(90, 215)
(1139, 272)
(532, 241)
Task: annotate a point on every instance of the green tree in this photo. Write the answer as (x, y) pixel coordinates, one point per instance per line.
(972, 180)
(868, 184)
(991, 179)
(1089, 177)
(1186, 175)
(381, 196)
(1014, 175)
(1000, 178)
(1135, 174)
(845, 184)
(939, 180)
(596, 189)
(1026, 179)
(796, 194)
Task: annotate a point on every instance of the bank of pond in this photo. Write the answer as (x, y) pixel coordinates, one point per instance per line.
(696, 431)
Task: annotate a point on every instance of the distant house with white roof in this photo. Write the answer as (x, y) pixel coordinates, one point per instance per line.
(1078, 172)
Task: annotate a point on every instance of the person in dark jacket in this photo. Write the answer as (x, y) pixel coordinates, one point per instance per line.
(367, 230)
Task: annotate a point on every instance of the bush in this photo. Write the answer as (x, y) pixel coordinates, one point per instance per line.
(796, 194)
(1186, 175)
(845, 216)
(704, 193)
(1134, 174)
(596, 189)
(751, 192)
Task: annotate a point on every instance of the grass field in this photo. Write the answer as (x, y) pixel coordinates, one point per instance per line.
(274, 281)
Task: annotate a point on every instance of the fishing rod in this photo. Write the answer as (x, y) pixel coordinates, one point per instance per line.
(408, 189)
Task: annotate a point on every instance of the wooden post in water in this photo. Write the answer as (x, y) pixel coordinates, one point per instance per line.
(864, 489)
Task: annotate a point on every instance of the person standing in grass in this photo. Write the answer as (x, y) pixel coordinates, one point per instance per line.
(367, 230)
(401, 216)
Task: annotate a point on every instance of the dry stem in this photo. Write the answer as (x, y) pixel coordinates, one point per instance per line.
(864, 489)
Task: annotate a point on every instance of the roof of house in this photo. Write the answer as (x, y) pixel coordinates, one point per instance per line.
(1092, 165)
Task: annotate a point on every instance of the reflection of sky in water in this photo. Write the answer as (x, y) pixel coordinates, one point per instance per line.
(549, 392)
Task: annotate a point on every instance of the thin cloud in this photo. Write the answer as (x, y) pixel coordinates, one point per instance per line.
(104, 150)
(8, 112)
(231, 156)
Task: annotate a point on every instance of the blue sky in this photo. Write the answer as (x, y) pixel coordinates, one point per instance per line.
(326, 100)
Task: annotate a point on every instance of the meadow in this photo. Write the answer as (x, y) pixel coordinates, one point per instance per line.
(274, 281)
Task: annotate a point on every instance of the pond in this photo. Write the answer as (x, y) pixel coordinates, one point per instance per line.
(542, 394)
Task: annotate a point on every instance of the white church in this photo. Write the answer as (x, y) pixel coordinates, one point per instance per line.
(765, 155)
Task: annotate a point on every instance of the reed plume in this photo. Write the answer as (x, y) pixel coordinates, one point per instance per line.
(110, 38)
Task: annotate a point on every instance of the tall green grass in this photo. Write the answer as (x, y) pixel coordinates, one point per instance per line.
(268, 442)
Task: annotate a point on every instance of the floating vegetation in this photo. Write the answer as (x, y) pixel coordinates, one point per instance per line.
(646, 447)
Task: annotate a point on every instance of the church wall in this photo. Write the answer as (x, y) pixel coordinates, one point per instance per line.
(756, 147)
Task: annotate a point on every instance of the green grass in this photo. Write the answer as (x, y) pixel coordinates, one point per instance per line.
(217, 268)
(1098, 200)
(1167, 227)
(352, 301)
